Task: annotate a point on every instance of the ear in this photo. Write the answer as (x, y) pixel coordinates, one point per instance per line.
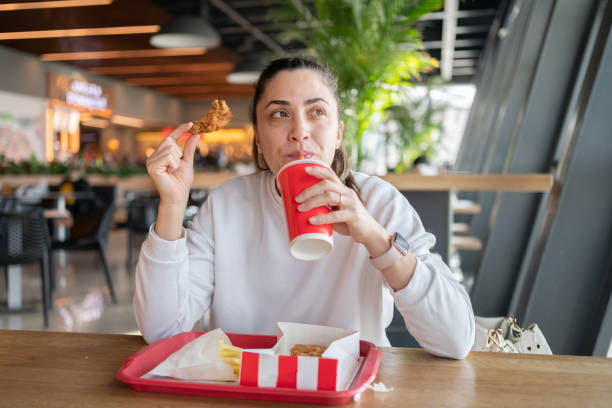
(340, 131)
(256, 136)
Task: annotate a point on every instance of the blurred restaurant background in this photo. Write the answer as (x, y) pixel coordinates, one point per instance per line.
(491, 116)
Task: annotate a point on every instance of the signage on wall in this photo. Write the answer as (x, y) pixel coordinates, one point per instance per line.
(87, 95)
(81, 94)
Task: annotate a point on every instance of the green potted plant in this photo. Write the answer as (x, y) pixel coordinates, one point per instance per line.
(413, 129)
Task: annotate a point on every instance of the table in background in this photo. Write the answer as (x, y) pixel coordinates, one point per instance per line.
(55, 369)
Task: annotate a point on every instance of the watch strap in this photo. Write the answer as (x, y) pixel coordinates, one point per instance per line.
(387, 259)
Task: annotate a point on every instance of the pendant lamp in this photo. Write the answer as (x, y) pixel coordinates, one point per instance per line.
(188, 32)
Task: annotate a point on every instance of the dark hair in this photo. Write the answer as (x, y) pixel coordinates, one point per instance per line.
(340, 164)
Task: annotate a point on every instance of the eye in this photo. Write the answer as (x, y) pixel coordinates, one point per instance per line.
(279, 114)
(317, 112)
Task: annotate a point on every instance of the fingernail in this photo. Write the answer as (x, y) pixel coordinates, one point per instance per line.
(308, 169)
(298, 199)
(301, 207)
(313, 219)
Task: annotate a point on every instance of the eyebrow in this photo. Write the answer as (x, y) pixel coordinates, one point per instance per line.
(277, 102)
(313, 100)
(286, 103)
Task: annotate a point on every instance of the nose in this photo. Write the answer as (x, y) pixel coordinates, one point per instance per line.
(301, 129)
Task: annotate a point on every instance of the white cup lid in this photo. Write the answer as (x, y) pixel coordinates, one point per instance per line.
(311, 247)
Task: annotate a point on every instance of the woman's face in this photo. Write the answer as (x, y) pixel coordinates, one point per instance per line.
(297, 114)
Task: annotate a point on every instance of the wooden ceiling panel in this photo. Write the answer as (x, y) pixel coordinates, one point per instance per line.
(201, 89)
(217, 95)
(81, 44)
(118, 13)
(185, 79)
(220, 54)
(163, 68)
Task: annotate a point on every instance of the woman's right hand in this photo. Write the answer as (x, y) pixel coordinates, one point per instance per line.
(172, 169)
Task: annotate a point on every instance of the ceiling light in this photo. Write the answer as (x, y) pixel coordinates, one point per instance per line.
(52, 4)
(88, 55)
(186, 31)
(79, 32)
(246, 72)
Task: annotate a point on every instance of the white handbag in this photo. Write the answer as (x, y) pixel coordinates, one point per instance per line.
(504, 335)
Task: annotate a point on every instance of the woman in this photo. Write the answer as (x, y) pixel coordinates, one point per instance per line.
(236, 261)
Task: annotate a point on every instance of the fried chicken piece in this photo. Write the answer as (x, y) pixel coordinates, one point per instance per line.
(307, 350)
(216, 118)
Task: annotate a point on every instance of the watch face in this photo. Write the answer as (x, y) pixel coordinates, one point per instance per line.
(401, 243)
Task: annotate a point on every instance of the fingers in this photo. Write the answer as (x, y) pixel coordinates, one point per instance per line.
(163, 163)
(333, 217)
(322, 188)
(329, 197)
(174, 136)
(165, 159)
(178, 132)
(167, 156)
(190, 147)
(168, 147)
(173, 163)
(330, 183)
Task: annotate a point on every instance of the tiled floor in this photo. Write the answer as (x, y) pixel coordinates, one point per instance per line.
(81, 302)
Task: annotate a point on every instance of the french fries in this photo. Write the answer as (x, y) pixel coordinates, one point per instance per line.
(230, 355)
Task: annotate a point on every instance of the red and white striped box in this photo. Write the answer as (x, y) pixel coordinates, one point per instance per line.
(276, 368)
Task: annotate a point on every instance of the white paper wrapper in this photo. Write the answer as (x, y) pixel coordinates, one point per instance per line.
(197, 360)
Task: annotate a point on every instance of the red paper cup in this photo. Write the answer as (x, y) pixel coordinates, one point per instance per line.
(308, 242)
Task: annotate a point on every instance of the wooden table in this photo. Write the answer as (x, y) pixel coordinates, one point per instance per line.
(52, 369)
(453, 181)
(63, 217)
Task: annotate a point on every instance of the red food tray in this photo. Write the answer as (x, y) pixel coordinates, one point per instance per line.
(150, 356)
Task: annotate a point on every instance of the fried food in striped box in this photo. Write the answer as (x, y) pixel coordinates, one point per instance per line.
(311, 350)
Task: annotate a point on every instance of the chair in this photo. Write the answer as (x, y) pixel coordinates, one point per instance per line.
(25, 239)
(105, 194)
(91, 233)
(142, 212)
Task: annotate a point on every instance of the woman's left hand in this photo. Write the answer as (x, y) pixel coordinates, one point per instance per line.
(348, 214)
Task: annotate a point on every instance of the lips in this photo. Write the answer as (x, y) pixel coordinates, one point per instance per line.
(296, 155)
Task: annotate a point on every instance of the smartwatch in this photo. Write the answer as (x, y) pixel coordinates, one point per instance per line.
(399, 249)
